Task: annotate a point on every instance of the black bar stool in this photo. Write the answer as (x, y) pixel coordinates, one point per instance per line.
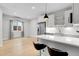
(56, 52)
(39, 46)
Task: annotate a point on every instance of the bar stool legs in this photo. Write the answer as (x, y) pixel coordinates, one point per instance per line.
(39, 46)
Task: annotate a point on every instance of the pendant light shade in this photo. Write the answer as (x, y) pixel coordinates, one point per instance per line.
(46, 16)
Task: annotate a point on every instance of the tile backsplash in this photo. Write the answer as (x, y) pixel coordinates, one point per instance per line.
(51, 30)
(63, 30)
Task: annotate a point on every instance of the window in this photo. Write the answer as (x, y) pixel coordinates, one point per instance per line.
(17, 26)
(14, 27)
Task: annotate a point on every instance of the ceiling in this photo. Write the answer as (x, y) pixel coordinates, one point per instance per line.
(31, 10)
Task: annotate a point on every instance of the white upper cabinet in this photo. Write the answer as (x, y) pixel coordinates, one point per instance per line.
(76, 13)
(50, 21)
(68, 17)
(62, 17)
(59, 18)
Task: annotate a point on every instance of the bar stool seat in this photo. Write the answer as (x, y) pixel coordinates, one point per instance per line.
(39, 46)
(56, 52)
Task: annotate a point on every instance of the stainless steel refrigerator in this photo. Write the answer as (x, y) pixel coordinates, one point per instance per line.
(41, 28)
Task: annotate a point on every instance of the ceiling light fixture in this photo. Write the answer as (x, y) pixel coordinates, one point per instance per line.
(33, 7)
(46, 16)
(14, 13)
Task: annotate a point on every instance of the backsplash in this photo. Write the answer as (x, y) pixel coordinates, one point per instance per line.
(63, 30)
(51, 30)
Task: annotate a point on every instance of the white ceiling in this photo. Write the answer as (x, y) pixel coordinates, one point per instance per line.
(24, 10)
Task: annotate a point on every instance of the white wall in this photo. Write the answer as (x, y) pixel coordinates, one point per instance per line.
(26, 28)
(1, 34)
(6, 27)
(33, 28)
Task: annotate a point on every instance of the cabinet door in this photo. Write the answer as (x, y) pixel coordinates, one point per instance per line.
(68, 18)
(59, 18)
(76, 13)
(50, 21)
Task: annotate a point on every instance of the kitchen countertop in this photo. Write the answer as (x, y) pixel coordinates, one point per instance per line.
(61, 39)
(62, 34)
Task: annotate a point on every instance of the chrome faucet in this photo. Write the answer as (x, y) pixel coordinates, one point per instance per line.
(59, 29)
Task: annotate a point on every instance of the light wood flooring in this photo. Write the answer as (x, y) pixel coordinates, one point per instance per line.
(19, 47)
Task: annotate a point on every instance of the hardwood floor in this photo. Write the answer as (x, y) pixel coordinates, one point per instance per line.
(19, 47)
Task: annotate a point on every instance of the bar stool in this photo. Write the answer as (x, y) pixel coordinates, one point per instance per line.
(56, 52)
(39, 46)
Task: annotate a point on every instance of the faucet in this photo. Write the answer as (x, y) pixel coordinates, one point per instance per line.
(59, 29)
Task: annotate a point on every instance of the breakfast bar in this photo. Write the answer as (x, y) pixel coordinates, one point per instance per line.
(70, 44)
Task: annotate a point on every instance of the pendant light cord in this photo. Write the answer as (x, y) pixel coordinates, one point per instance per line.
(45, 8)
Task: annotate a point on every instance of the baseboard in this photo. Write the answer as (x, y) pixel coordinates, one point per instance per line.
(19, 37)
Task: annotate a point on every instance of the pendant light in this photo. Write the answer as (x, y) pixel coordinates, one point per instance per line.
(46, 16)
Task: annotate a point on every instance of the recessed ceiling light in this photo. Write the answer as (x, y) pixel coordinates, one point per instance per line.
(14, 13)
(28, 16)
(33, 7)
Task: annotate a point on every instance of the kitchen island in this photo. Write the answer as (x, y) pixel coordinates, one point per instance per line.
(69, 44)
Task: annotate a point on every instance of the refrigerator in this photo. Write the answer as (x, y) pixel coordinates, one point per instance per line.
(41, 28)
